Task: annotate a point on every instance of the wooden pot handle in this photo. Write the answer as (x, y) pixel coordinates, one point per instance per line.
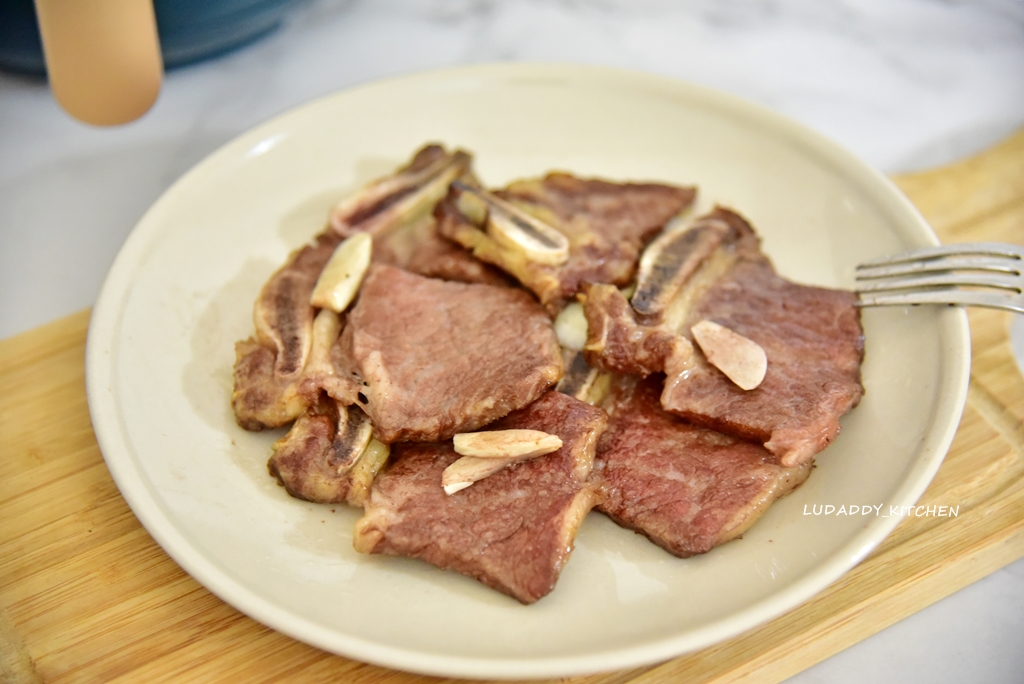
(102, 57)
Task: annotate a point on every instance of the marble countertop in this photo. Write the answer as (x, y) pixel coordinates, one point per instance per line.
(904, 84)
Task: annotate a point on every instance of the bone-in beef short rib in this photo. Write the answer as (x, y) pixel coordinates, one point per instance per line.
(607, 225)
(328, 455)
(811, 335)
(268, 368)
(431, 358)
(814, 343)
(270, 390)
(513, 530)
(686, 488)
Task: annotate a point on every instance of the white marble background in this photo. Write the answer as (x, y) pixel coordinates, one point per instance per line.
(905, 84)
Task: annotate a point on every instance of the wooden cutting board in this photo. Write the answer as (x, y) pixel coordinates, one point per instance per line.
(87, 595)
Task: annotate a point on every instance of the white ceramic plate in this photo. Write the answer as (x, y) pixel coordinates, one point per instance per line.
(160, 355)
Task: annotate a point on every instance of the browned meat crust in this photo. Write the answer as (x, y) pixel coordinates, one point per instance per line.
(262, 399)
(315, 460)
(607, 225)
(270, 387)
(436, 357)
(686, 488)
(514, 530)
(617, 343)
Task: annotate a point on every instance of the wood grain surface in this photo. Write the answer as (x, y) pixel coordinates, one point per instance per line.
(86, 594)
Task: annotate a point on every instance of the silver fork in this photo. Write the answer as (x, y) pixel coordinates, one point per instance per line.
(989, 274)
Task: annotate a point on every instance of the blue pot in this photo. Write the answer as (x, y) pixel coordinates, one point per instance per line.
(190, 30)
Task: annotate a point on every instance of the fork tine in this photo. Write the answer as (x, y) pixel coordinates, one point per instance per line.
(938, 280)
(943, 263)
(952, 297)
(997, 249)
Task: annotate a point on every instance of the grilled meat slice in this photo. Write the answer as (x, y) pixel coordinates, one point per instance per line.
(513, 530)
(607, 224)
(812, 338)
(415, 246)
(686, 488)
(433, 358)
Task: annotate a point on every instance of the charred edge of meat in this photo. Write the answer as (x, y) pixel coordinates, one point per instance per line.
(260, 399)
(616, 342)
(578, 378)
(316, 460)
(584, 382)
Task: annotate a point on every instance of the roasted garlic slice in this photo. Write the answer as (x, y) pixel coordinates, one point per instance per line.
(741, 359)
(470, 469)
(488, 452)
(571, 327)
(340, 280)
(518, 444)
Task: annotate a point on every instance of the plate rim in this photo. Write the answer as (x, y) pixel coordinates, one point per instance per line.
(112, 437)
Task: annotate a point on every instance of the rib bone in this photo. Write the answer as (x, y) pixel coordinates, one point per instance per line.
(514, 229)
(415, 188)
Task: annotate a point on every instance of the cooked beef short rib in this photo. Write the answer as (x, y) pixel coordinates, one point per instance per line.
(271, 387)
(686, 488)
(430, 358)
(607, 225)
(513, 530)
(328, 455)
(814, 343)
(398, 212)
(268, 368)
(811, 336)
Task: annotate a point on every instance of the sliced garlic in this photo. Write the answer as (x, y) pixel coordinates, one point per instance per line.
(486, 453)
(571, 327)
(504, 444)
(343, 274)
(469, 469)
(741, 359)
(362, 474)
(515, 229)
